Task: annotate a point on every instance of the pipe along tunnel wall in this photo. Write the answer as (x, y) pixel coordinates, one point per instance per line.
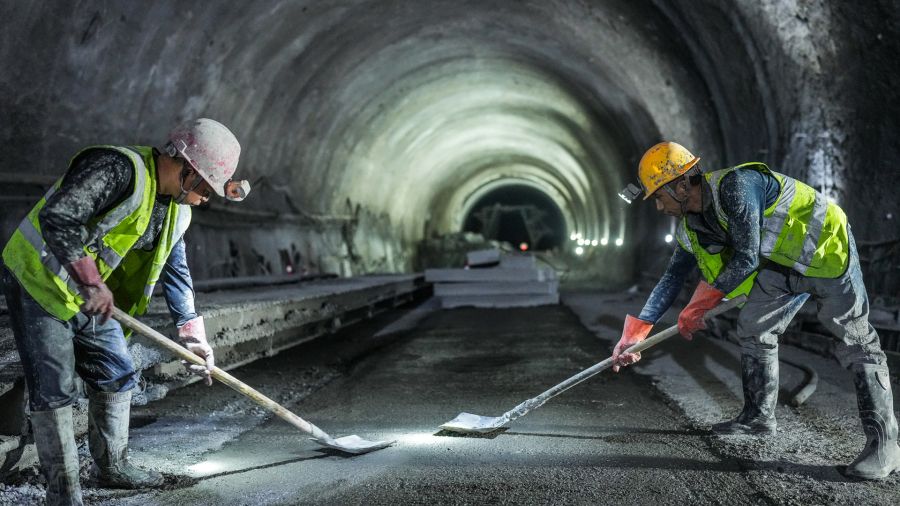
(370, 126)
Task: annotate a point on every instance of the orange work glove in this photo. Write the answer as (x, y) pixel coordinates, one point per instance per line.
(691, 318)
(635, 331)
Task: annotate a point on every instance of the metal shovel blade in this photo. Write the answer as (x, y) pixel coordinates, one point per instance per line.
(469, 423)
(353, 444)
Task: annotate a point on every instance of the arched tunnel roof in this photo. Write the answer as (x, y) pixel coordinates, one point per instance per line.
(410, 110)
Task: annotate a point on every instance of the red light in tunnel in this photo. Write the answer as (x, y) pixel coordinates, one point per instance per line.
(523, 246)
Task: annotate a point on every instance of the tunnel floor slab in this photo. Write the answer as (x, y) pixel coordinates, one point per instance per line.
(602, 443)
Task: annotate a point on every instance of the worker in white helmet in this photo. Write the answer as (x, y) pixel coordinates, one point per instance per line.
(102, 236)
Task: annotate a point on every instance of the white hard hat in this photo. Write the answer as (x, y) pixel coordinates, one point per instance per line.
(213, 151)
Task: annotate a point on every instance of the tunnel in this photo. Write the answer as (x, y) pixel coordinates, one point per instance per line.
(518, 215)
(387, 138)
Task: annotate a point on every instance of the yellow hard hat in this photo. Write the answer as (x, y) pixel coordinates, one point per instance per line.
(662, 164)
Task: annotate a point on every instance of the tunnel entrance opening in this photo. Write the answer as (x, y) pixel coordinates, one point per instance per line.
(521, 215)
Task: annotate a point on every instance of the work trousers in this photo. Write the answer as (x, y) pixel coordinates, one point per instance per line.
(52, 351)
(842, 306)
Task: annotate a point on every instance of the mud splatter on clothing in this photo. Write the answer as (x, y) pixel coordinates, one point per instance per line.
(744, 195)
(98, 181)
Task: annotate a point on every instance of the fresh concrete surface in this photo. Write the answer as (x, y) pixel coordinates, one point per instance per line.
(577, 449)
(800, 465)
(243, 325)
(636, 437)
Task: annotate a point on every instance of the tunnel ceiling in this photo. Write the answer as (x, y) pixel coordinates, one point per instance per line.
(411, 111)
(414, 109)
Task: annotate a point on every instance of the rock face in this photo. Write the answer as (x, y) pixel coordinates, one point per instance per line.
(369, 126)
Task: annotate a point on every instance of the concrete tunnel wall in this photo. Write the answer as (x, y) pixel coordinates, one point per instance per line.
(368, 126)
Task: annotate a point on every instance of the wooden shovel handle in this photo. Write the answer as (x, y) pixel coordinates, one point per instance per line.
(236, 384)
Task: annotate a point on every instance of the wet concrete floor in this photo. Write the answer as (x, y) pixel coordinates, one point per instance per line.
(633, 438)
(610, 440)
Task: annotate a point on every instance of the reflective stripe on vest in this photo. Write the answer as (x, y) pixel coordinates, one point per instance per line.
(110, 239)
(182, 222)
(148, 265)
(682, 237)
(710, 264)
(120, 212)
(115, 216)
(801, 230)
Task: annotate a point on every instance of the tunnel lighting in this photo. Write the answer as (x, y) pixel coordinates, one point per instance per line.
(669, 237)
(574, 237)
(630, 193)
(523, 246)
(579, 250)
(604, 241)
(205, 467)
(620, 241)
(595, 242)
(421, 439)
(581, 242)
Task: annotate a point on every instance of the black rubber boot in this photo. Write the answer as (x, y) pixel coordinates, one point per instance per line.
(759, 376)
(881, 455)
(54, 437)
(108, 417)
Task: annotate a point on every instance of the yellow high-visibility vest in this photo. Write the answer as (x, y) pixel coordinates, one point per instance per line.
(802, 230)
(129, 274)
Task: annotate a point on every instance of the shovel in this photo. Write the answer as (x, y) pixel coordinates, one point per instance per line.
(467, 423)
(349, 444)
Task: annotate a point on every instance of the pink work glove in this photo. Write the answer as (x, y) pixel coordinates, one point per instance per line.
(193, 336)
(98, 300)
(691, 318)
(635, 331)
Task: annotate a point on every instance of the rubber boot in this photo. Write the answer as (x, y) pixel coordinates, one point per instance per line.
(108, 417)
(759, 376)
(881, 455)
(54, 437)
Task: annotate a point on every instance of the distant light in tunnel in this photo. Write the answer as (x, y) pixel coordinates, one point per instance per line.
(579, 250)
(574, 237)
(523, 246)
(669, 238)
(517, 213)
(595, 242)
(604, 241)
(581, 242)
(620, 241)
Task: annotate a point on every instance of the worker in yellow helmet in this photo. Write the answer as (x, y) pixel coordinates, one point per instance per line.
(754, 231)
(109, 229)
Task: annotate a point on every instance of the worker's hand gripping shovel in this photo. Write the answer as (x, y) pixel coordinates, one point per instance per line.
(350, 444)
(469, 423)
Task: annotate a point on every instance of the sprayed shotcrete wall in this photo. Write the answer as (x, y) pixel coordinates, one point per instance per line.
(368, 126)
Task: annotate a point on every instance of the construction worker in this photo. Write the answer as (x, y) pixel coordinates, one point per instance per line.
(103, 235)
(752, 230)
